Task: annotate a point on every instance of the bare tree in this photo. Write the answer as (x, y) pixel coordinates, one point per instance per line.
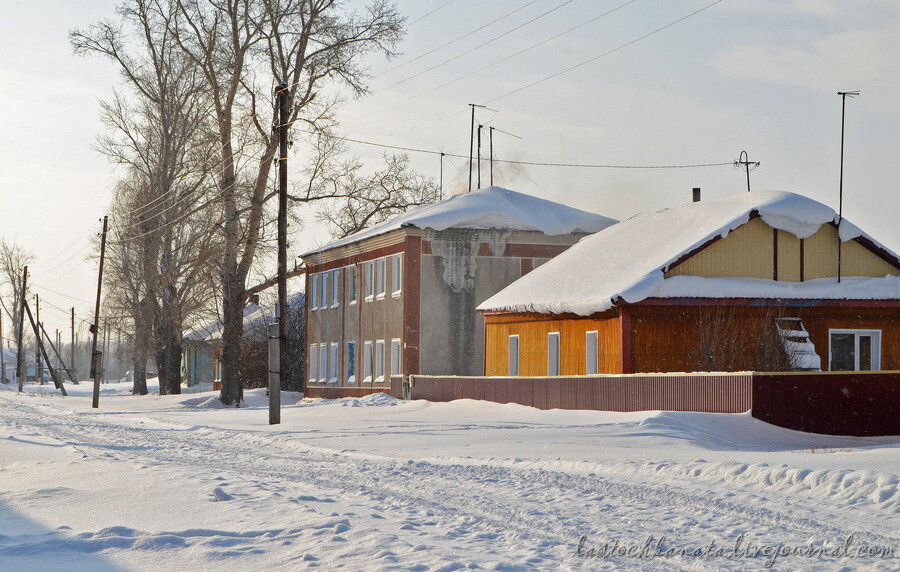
(311, 45)
(368, 200)
(159, 133)
(13, 259)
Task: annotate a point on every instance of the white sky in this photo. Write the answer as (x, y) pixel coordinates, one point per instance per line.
(755, 75)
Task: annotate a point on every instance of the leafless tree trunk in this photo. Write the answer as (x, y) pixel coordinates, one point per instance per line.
(13, 259)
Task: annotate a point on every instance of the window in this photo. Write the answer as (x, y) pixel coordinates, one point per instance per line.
(513, 355)
(553, 353)
(351, 363)
(370, 280)
(335, 353)
(395, 356)
(323, 299)
(591, 351)
(379, 360)
(379, 277)
(396, 274)
(367, 362)
(313, 295)
(323, 363)
(335, 288)
(350, 284)
(313, 360)
(854, 350)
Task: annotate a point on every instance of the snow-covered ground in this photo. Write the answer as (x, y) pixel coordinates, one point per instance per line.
(178, 482)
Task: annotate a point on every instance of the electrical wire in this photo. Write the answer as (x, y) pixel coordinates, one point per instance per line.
(425, 15)
(453, 41)
(479, 46)
(61, 294)
(557, 74)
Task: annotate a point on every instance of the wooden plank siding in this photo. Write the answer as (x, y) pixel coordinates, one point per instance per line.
(532, 330)
(747, 251)
(663, 334)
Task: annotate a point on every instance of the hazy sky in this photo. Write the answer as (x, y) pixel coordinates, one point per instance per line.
(743, 74)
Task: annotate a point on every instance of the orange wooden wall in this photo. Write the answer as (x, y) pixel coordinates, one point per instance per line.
(532, 330)
(661, 333)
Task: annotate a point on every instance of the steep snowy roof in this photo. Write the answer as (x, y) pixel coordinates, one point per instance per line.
(628, 260)
(489, 208)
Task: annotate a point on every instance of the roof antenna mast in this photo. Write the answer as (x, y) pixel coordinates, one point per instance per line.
(844, 95)
(472, 138)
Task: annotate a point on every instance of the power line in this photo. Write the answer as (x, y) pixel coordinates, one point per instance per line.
(557, 74)
(479, 46)
(61, 294)
(453, 41)
(425, 15)
(539, 163)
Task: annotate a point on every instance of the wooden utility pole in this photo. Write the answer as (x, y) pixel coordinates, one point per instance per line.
(38, 367)
(844, 95)
(95, 402)
(72, 346)
(20, 355)
(276, 381)
(743, 161)
(441, 176)
(2, 358)
(59, 361)
(491, 145)
(480, 127)
(37, 334)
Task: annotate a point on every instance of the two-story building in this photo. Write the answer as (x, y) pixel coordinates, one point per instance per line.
(399, 298)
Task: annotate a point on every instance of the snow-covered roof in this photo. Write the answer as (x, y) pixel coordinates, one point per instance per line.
(489, 208)
(628, 260)
(254, 316)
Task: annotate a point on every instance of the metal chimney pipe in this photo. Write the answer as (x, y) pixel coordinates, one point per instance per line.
(696, 194)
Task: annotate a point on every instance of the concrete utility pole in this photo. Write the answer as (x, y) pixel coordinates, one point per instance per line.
(276, 381)
(95, 401)
(20, 355)
(844, 95)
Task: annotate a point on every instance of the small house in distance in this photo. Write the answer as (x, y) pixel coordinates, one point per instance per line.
(745, 282)
(399, 298)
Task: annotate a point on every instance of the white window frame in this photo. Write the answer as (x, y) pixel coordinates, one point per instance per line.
(589, 363)
(350, 279)
(334, 362)
(351, 363)
(323, 363)
(876, 346)
(396, 275)
(396, 352)
(552, 336)
(324, 297)
(369, 280)
(367, 362)
(380, 268)
(512, 367)
(335, 287)
(313, 363)
(379, 361)
(313, 288)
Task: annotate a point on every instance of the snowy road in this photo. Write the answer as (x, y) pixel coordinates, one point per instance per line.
(149, 482)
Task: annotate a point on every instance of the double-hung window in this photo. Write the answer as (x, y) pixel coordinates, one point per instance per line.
(591, 352)
(396, 274)
(553, 353)
(323, 299)
(313, 361)
(854, 350)
(350, 284)
(370, 280)
(351, 363)
(379, 277)
(367, 362)
(379, 361)
(323, 363)
(513, 369)
(335, 288)
(313, 291)
(395, 356)
(335, 356)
